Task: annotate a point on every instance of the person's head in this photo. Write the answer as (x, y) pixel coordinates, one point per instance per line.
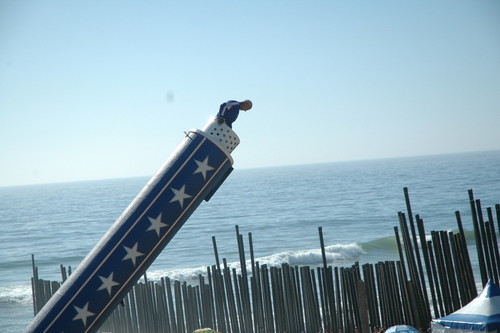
(246, 105)
(220, 120)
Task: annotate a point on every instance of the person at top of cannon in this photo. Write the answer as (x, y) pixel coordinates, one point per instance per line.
(229, 111)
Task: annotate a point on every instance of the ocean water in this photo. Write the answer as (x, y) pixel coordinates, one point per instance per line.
(356, 204)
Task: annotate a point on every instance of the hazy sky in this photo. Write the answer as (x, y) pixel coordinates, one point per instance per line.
(105, 89)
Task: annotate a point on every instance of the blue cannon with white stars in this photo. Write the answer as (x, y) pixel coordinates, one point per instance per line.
(193, 173)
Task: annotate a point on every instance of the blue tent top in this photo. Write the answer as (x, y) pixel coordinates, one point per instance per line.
(481, 314)
(402, 329)
(491, 290)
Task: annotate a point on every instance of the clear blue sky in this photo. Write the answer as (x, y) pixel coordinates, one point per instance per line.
(105, 89)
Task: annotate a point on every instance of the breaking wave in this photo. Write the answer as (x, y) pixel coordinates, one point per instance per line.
(313, 257)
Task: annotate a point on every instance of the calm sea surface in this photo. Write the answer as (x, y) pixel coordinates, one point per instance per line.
(356, 203)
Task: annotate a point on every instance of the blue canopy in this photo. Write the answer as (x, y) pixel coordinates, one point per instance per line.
(481, 314)
(402, 329)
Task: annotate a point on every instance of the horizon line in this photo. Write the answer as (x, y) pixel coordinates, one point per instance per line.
(259, 167)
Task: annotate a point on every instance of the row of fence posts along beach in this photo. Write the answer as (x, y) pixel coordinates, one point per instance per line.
(432, 278)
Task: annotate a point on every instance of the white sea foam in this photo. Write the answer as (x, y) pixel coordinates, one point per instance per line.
(313, 256)
(182, 274)
(20, 294)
